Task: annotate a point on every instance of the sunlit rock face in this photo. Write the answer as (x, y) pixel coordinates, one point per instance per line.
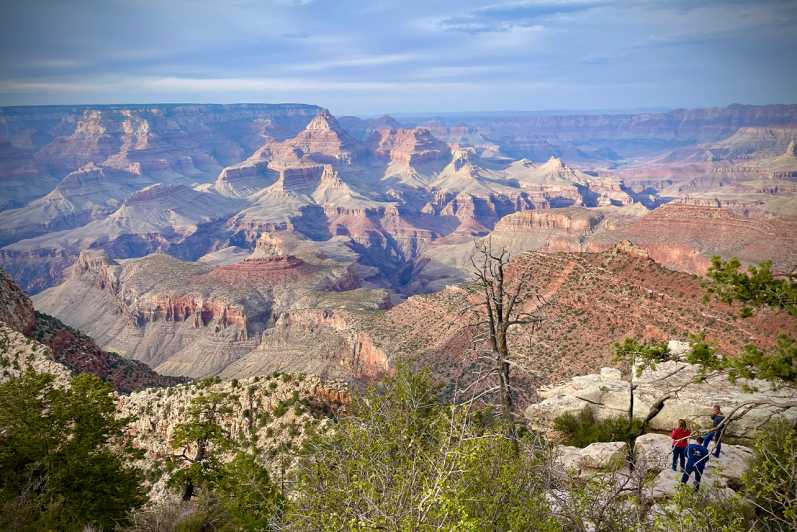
(241, 239)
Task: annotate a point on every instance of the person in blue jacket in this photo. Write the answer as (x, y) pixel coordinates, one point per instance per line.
(717, 426)
(696, 459)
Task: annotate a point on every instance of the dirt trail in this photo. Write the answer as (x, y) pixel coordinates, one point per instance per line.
(552, 288)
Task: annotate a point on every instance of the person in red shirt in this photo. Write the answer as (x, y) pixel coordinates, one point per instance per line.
(680, 441)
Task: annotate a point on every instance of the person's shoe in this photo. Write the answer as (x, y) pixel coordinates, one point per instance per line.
(716, 455)
(674, 469)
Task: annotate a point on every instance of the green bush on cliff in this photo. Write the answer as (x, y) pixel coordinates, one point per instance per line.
(771, 481)
(403, 460)
(584, 429)
(57, 471)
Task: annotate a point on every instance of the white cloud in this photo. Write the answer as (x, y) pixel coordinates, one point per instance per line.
(362, 61)
(461, 71)
(26, 86)
(293, 3)
(220, 85)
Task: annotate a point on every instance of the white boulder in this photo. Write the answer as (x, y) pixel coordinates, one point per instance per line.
(593, 459)
(607, 395)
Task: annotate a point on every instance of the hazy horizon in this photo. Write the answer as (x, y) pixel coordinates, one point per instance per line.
(411, 57)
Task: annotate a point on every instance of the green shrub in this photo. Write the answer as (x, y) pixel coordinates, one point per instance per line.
(57, 469)
(771, 481)
(584, 429)
(282, 408)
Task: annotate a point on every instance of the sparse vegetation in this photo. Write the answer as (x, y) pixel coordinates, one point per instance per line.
(583, 429)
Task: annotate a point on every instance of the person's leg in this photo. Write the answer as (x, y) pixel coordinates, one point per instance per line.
(718, 448)
(675, 454)
(698, 475)
(685, 476)
(707, 439)
(682, 458)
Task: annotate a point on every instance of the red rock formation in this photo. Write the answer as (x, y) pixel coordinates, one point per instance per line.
(80, 354)
(97, 268)
(571, 221)
(357, 351)
(409, 146)
(321, 141)
(685, 235)
(266, 270)
(16, 310)
(97, 264)
(201, 311)
(591, 301)
(70, 347)
(181, 138)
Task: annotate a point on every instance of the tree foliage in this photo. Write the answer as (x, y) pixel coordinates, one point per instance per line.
(203, 442)
(236, 489)
(757, 287)
(771, 481)
(404, 461)
(637, 356)
(57, 469)
(777, 365)
(245, 496)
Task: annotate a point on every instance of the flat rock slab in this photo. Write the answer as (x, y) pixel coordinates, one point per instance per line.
(593, 459)
(606, 395)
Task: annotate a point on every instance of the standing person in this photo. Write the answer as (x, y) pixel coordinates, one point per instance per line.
(717, 425)
(680, 441)
(696, 458)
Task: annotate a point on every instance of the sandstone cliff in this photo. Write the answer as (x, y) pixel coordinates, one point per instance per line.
(684, 235)
(196, 319)
(54, 347)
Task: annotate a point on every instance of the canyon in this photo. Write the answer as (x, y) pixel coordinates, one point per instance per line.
(240, 240)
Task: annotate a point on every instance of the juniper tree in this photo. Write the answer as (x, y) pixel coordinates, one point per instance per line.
(63, 462)
(203, 441)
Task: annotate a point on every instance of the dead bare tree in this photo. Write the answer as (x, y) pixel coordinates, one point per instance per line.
(502, 302)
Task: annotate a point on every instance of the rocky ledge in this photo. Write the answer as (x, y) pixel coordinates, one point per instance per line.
(675, 388)
(262, 270)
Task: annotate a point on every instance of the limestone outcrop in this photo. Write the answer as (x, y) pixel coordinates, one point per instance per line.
(606, 395)
(592, 460)
(273, 409)
(19, 353)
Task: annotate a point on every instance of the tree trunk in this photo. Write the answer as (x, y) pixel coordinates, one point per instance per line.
(188, 490)
(630, 401)
(503, 368)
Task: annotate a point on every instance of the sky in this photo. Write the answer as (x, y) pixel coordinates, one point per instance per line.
(401, 56)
